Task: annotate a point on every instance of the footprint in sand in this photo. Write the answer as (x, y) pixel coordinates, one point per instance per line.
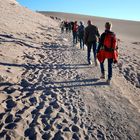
(62, 110)
(55, 104)
(41, 105)
(33, 100)
(9, 90)
(75, 128)
(43, 97)
(100, 135)
(46, 136)
(66, 129)
(3, 133)
(1, 125)
(47, 127)
(48, 110)
(10, 104)
(76, 119)
(11, 126)
(1, 115)
(18, 119)
(75, 136)
(21, 111)
(8, 137)
(44, 120)
(54, 95)
(35, 112)
(31, 133)
(9, 119)
(24, 83)
(58, 136)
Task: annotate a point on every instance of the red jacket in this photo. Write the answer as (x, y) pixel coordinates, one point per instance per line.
(104, 52)
(75, 27)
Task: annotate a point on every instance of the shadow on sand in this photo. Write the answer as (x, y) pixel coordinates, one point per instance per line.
(80, 83)
(47, 66)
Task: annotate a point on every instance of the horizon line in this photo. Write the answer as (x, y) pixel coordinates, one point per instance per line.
(90, 15)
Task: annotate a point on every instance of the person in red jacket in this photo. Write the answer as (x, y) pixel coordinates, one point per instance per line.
(74, 31)
(107, 49)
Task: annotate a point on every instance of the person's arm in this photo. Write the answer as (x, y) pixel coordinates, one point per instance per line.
(98, 34)
(101, 40)
(85, 36)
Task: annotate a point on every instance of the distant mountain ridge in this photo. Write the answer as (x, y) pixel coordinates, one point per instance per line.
(123, 28)
(82, 15)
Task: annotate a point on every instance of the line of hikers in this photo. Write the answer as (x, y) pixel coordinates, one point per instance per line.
(104, 46)
(66, 26)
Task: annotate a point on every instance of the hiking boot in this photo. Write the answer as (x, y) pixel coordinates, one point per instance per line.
(102, 76)
(108, 81)
(90, 62)
(96, 64)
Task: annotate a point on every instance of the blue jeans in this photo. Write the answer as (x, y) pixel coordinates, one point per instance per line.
(81, 43)
(110, 62)
(74, 37)
(93, 46)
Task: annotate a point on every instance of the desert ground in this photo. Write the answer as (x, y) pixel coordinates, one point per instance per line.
(47, 90)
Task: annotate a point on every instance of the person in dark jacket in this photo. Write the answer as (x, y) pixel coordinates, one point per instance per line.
(69, 26)
(91, 38)
(66, 26)
(81, 30)
(107, 49)
(62, 26)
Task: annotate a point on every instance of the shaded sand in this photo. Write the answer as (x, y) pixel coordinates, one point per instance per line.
(47, 90)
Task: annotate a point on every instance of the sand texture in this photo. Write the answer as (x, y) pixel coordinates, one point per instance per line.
(47, 90)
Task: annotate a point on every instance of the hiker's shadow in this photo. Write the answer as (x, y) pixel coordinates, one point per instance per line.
(44, 66)
(80, 83)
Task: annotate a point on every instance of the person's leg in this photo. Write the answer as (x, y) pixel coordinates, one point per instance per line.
(110, 62)
(89, 45)
(102, 70)
(82, 42)
(62, 30)
(94, 50)
(76, 37)
(73, 37)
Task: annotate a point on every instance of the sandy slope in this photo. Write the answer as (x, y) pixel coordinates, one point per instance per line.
(47, 90)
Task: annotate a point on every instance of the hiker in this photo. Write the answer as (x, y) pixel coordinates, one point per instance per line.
(107, 49)
(72, 25)
(69, 27)
(75, 30)
(62, 26)
(81, 30)
(66, 26)
(91, 38)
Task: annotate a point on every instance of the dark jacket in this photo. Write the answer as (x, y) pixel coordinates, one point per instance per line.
(81, 30)
(91, 34)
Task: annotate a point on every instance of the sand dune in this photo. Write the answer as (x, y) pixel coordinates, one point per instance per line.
(47, 90)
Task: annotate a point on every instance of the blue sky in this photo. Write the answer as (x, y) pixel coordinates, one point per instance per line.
(120, 9)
